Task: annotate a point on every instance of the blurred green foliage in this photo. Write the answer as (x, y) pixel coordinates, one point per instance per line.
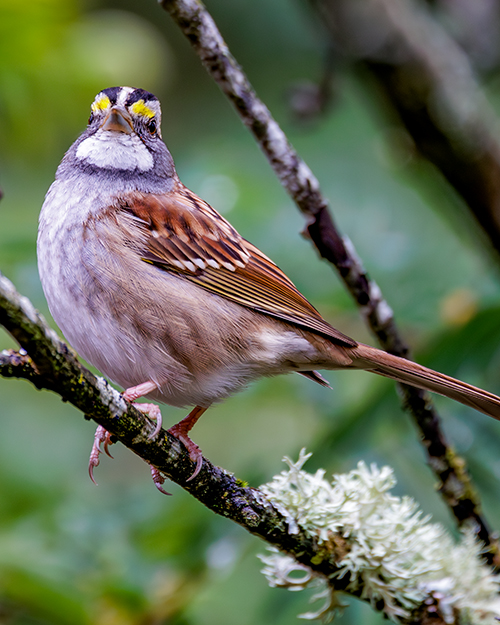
(71, 553)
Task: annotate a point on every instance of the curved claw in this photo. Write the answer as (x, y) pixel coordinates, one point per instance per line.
(91, 470)
(199, 464)
(158, 480)
(158, 424)
(106, 444)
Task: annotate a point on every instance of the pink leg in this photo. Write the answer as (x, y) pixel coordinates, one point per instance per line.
(134, 392)
(181, 431)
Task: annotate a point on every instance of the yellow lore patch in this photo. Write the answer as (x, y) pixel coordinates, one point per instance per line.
(100, 104)
(140, 108)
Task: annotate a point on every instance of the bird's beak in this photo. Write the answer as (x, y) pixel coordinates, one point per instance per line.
(118, 120)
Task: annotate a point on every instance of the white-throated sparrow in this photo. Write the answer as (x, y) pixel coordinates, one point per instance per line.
(160, 293)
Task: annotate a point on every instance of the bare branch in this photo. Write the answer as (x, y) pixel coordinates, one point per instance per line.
(296, 177)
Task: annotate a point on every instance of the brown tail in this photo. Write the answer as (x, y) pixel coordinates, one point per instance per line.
(411, 373)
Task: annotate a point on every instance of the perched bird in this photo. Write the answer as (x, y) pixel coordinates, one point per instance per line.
(162, 295)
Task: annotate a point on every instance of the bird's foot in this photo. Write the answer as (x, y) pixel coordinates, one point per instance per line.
(158, 480)
(152, 410)
(102, 436)
(181, 432)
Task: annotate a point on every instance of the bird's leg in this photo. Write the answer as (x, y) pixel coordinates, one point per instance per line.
(134, 392)
(181, 431)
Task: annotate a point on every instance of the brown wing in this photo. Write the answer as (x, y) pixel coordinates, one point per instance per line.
(186, 235)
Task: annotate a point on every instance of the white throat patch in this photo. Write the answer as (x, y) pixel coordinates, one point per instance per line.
(115, 150)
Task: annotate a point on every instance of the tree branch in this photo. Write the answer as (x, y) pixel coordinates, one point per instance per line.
(295, 176)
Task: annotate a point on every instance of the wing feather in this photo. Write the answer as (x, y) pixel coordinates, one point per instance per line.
(186, 235)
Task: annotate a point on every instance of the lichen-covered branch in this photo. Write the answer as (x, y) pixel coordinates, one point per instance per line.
(303, 187)
(48, 363)
(402, 560)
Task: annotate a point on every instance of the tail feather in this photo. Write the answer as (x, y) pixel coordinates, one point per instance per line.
(409, 372)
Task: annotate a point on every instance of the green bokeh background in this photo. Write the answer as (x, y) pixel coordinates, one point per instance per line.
(71, 553)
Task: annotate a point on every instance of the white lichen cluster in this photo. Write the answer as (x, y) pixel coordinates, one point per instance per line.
(395, 554)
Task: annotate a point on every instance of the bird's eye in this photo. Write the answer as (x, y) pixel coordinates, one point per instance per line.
(91, 118)
(152, 126)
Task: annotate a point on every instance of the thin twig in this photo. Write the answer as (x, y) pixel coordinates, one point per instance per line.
(298, 180)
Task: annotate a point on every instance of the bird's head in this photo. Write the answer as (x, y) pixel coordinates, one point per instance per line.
(123, 134)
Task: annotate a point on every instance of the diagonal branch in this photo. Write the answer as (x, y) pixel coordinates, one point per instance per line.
(296, 177)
